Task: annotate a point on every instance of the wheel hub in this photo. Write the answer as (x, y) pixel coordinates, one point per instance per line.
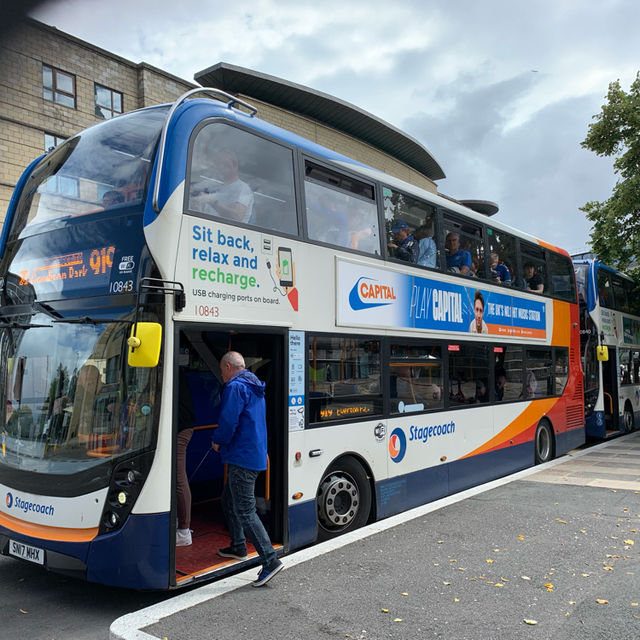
(338, 501)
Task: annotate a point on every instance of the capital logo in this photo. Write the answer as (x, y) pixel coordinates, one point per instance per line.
(9, 500)
(367, 293)
(397, 444)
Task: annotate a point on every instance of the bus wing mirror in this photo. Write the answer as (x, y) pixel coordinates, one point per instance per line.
(144, 344)
(602, 353)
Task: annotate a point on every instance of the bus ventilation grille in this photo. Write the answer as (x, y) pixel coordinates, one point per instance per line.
(575, 417)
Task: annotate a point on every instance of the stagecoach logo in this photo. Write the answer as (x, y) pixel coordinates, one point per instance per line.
(9, 501)
(28, 505)
(367, 293)
(397, 444)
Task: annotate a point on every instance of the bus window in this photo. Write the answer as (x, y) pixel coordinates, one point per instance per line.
(635, 366)
(344, 378)
(620, 293)
(237, 176)
(561, 369)
(503, 247)
(420, 218)
(508, 373)
(538, 380)
(415, 378)
(625, 366)
(604, 289)
(468, 374)
(464, 248)
(340, 210)
(534, 270)
(562, 277)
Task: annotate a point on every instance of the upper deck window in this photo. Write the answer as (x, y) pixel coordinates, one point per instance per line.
(410, 227)
(240, 177)
(105, 166)
(464, 248)
(58, 86)
(340, 210)
(563, 283)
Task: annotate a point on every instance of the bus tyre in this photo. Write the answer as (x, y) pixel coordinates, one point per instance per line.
(543, 443)
(343, 500)
(627, 418)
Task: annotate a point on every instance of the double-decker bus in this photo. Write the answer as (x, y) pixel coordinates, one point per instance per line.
(139, 251)
(610, 348)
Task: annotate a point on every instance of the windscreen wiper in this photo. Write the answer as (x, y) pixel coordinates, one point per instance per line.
(88, 320)
(20, 325)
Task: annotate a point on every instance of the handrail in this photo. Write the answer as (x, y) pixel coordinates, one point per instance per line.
(610, 401)
(216, 92)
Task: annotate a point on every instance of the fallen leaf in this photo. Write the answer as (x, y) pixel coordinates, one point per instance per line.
(525, 577)
(404, 593)
(530, 621)
(489, 560)
(549, 585)
(385, 610)
(23, 611)
(520, 537)
(572, 602)
(436, 564)
(561, 521)
(634, 604)
(628, 542)
(585, 575)
(496, 550)
(456, 599)
(601, 601)
(440, 541)
(499, 584)
(446, 583)
(397, 619)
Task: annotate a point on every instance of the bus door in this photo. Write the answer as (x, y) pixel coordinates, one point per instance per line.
(610, 390)
(198, 362)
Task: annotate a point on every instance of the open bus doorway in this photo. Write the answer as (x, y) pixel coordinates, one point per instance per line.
(610, 391)
(198, 360)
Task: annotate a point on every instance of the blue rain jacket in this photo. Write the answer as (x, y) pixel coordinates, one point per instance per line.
(242, 425)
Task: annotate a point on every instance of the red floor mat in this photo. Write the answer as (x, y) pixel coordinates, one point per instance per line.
(209, 535)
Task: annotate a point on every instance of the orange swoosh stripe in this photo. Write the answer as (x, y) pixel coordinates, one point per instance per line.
(45, 532)
(529, 416)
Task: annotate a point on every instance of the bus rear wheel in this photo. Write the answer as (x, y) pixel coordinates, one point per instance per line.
(627, 419)
(543, 443)
(343, 500)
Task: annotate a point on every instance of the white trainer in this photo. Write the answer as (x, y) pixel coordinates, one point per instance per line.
(183, 537)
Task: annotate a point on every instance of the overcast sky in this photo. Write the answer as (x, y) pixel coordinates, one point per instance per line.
(501, 92)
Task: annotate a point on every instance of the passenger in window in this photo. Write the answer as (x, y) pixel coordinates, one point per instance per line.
(233, 198)
(478, 324)
(482, 393)
(404, 245)
(111, 198)
(501, 382)
(532, 279)
(361, 235)
(427, 250)
(458, 260)
(499, 271)
(531, 390)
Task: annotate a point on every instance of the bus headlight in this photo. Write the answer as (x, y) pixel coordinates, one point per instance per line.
(126, 483)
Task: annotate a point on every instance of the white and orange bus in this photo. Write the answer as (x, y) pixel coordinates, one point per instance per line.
(392, 380)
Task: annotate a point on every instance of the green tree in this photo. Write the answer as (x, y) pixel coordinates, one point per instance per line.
(615, 238)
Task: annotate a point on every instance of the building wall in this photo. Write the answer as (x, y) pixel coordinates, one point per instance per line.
(340, 142)
(25, 116)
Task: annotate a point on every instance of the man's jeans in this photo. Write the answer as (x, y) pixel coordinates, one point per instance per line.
(239, 505)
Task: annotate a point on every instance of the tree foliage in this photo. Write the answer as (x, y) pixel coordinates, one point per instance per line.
(615, 238)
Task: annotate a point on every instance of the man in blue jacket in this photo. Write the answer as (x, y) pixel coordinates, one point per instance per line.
(241, 439)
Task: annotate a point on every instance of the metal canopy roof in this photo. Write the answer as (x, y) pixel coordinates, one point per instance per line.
(481, 206)
(326, 109)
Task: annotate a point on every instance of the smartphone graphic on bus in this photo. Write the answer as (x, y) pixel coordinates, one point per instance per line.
(285, 267)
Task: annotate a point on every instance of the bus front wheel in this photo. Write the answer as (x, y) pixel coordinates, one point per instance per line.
(627, 418)
(543, 443)
(343, 499)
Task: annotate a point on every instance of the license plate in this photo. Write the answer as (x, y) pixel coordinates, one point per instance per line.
(26, 552)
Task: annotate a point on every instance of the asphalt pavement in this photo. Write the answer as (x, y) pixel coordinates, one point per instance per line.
(550, 552)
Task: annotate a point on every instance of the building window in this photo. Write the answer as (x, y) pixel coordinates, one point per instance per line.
(108, 102)
(58, 86)
(51, 140)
